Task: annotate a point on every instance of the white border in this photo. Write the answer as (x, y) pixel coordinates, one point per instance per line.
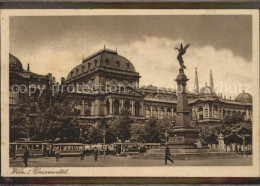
(192, 171)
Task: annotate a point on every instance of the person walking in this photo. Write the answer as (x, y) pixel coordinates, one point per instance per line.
(95, 153)
(167, 155)
(26, 157)
(57, 153)
(82, 153)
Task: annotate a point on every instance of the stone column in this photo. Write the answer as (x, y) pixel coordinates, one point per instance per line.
(247, 114)
(83, 108)
(133, 108)
(172, 111)
(121, 101)
(198, 113)
(142, 109)
(183, 111)
(212, 111)
(151, 114)
(93, 108)
(204, 111)
(110, 106)
(97, 107)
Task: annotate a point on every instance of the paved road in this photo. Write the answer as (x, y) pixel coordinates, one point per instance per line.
(111, 161)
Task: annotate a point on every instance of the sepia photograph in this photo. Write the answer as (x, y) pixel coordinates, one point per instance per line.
(130, 89)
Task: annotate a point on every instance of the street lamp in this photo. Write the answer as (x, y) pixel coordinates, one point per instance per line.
(243, 137)
(166, 138)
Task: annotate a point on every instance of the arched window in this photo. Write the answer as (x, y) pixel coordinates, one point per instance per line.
(87, 108)
(116, 107)
(228, 112)
(200, 109)
(174, 111)
(155, 112)
(137, 109)
(127, 105)
(107, 107)
(169, 112)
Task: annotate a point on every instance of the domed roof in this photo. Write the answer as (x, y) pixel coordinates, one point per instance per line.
(206, 90)
(15, 64)
(244, 97)
(103, 58)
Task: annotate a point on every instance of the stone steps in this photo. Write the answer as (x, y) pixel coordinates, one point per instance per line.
(183, 156)
(174, 151)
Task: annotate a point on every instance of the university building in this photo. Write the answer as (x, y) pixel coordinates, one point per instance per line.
(113, 84)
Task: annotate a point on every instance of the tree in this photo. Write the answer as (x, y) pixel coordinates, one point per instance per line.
(165, 125)
(23, 118)
(152, 132)
(121, 125)
(235, 118)
(138, 133)
(211, 139)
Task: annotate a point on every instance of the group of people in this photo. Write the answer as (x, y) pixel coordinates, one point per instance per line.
(95, 153)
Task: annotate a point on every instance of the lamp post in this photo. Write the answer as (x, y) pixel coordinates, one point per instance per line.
(166, 138)
(244, 145)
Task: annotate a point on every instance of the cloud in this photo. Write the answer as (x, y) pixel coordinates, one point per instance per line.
(153, 57)
(155, 60)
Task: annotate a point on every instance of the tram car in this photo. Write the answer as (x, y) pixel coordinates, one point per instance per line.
(35, 148)
(69, 149)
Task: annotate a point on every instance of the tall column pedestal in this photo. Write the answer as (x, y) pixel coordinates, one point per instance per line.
(182, 135)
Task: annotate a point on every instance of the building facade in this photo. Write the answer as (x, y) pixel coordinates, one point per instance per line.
(107, 82)
(114, 85)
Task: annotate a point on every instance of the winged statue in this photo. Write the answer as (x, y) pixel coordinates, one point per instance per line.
(181, 53)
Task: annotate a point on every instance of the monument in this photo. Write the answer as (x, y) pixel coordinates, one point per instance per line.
(183, 135)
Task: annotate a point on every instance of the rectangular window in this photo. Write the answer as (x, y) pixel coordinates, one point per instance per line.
(96, 61)
(118, 64)
(128, 66)
(83, 67)
(89, 65)
(107, 62)
(13, 98)
(77, 71)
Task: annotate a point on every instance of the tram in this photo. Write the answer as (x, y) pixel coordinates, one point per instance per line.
(69, 149)
(35, 148)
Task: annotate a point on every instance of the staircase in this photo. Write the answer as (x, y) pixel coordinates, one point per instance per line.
(184, 154)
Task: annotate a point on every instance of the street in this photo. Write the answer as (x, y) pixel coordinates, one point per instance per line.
(113, 161)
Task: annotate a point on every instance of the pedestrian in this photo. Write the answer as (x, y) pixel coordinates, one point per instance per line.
(48, 151)
(57, 153)
(44, 151)
(167, 155)
(95, 153)
(82, 153)
(26, 157)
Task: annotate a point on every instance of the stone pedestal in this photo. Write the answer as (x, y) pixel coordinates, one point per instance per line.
(221, 144)
(182, 135)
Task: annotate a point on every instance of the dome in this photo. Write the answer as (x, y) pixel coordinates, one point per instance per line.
(206, 90)
(104, 58)
(15, 64)
(244, 97)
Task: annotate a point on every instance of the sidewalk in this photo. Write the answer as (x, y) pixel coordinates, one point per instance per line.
(112, 161)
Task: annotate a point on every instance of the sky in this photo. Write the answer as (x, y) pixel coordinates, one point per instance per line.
(223, 44)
